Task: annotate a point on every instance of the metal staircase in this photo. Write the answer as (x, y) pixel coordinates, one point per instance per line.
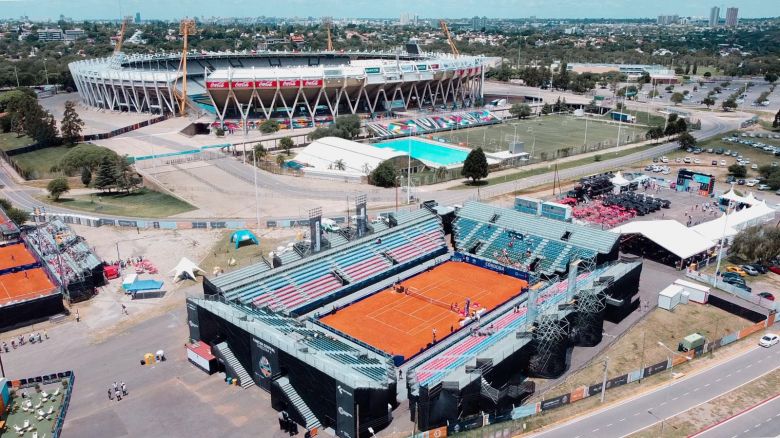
(235, 367)
(297, 402)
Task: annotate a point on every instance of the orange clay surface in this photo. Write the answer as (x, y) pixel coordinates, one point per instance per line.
(403, 325)
(16, 286)
(14, 255)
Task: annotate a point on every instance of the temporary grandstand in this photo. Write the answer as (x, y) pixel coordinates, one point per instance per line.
(535, 244)
(28, 290)
(68, 257)
(327, 332)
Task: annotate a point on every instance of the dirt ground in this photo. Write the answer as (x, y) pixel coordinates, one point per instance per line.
(223, 251)
(716, 410)
(164, 248)
(625, 353)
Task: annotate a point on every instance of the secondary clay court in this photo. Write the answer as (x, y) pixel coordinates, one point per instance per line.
(24, 285)
(402, 324)
(15, 255)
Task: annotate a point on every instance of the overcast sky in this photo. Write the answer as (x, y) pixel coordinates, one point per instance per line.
(171, 9)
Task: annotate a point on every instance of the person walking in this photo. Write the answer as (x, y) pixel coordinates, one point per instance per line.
(124, 309)
(110, 394)
(118, 395)
(38, 336)
(45, 334)
(124, 389)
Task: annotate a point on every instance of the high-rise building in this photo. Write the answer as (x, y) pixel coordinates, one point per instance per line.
(404, 20)
(665, 20)
(478, 23)
(732, 17)
(714, 16)
(137, 18)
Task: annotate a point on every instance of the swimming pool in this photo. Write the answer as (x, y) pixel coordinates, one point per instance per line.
(427, 152)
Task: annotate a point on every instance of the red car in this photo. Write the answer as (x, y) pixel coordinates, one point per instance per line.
(767, 296)
(775, 269)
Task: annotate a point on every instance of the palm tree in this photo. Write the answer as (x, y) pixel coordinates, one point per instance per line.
(441, 172)
(260, 151)
(339, 164)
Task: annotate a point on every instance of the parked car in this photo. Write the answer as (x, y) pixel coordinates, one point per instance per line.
(732, 274)
(766, 296)
(734, 154)
(719, 151)
(678, 160)
(722, 162)
(649, 168)
(768, 340)
(687, 160)
(763, 187)
(751, 182)
(754, 166)
(709, 150)
(750, 270)
(775, 269)
(655, 159)
(741, 182)
(736, 270)
(696, 161)
(664, 160)
(759, 267)
(714, 162)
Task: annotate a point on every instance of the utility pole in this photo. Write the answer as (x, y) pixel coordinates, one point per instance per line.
(604, 381)
(642, 359)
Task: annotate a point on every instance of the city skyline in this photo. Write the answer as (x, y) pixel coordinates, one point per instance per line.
(563, 9)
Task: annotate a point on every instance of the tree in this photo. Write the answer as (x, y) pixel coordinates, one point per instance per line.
(707, 74)
(71, 125)
(776, 121)
(520, 110)
(561, 80)
(280, 160)
(737, 171)
(654, 133)
(756, 244)
(259, 151)
(57, 187)
(106, 178)
(347, 127)
(84, 155)
(546, 108)
(339, 164)
(771, 77)
(126, 177)
(269, 126)
(286, 144)
(729, 105)
(681, 126)
(86, 176)
(385, 175)
(475, 166)
(708, 101)
(686, 140)
(17, 216)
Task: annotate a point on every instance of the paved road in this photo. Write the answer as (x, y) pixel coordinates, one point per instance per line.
(762, 420)
(638, 413)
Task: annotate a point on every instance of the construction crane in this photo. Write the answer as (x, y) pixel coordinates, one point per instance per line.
(186, 27)
(328, 23)
(118, 45)
(447, 34)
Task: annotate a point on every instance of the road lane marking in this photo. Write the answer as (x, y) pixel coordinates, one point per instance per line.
(595, 430)
(662, 403)
(609, 425)
(686, 394)
(675, 398)
(706, 385)
(623, 419)
(718, 380)
(749, 365)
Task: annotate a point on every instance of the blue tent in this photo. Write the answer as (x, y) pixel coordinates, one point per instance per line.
(242, 236)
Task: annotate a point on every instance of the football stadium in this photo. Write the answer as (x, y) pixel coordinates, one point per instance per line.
(296, 88)
(450, 310)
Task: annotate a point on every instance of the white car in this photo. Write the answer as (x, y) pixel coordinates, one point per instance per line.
(664, 160)
(687, 160)
(754, 166)
(722, 162)
(751, 182)
(769, 340)
(696, 161)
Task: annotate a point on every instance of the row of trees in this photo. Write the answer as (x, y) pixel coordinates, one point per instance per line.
(475, 168)
(756, 244)
(347, 127)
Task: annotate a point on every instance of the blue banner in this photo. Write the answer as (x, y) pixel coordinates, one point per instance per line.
(493, 266)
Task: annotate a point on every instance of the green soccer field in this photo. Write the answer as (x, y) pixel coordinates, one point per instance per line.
(546, 135)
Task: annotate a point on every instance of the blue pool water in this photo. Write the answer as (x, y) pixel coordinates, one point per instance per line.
(425, 151)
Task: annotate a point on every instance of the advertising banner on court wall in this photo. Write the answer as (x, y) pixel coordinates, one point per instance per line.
(265, 363)
(486, 264)
(346, 423)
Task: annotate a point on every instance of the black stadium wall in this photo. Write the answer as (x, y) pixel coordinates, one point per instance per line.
(624, 289)
(333, 402)
(30, 311)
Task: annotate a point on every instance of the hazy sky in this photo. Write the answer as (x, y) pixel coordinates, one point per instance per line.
(166, 9)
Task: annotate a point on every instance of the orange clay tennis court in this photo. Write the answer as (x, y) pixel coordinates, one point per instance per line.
(15, 255)
(17, 286)
(402, 324)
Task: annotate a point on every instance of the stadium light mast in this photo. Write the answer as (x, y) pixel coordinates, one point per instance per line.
(121, 38)
(186, 27)
(447, 35)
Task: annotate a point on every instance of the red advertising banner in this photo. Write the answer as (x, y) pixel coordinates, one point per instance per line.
(289, 83)
(241, 84)
(266, 83)
(312, 82)
(434, 66)
(216, 84)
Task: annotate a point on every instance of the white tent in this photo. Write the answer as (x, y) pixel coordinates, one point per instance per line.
(357, 158)
(734, 197)
(619, 180)
(186, 269)
(671, 235)
(715, 229)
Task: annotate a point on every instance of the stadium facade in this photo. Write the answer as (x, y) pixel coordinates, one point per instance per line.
(268, 323)
(316, 86)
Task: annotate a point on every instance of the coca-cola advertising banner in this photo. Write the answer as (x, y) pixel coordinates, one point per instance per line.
(266, 84)
(216, 84)
(241, 84)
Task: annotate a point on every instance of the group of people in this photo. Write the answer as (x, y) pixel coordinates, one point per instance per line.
(706, 209)
(18, 342)
(118, 390)
(288, 425)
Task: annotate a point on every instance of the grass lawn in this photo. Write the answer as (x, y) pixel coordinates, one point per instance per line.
(9, 140)
(540, 170)
(143, 203)
(224, 251)
(545, 135)
(37, 163)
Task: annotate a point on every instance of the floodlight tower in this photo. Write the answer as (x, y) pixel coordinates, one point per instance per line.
(446, 30)
(186, 27)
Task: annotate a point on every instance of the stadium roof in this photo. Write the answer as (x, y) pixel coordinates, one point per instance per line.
(357, 157)
(579, 235)
(671, 235)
